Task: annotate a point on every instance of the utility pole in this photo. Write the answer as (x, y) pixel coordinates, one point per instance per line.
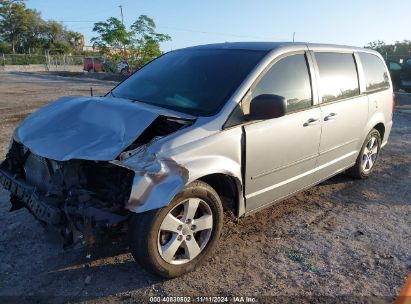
(121, 10)
(122, 22)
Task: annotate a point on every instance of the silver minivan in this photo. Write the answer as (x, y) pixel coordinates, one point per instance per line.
(232, 125)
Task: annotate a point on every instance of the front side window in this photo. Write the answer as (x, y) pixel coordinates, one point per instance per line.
(375, 72)
(338, 76)
(197, 81)
(289, 77)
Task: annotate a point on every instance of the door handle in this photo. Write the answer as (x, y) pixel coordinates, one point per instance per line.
(311, 122)
(331, 116)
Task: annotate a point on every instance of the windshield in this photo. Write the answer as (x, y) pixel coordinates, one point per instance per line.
(197, 82)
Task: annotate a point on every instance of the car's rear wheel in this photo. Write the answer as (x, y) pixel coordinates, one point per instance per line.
(174, 240)
(368, 156)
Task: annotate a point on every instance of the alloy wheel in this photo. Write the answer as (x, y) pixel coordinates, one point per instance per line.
(185, 231)
(369, 155)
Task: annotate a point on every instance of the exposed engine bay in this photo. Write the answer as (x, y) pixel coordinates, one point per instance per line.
(81, 198)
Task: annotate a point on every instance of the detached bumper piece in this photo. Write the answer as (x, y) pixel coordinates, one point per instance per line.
(32, 201)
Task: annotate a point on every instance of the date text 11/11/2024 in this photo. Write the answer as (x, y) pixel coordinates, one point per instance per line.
(203, 299)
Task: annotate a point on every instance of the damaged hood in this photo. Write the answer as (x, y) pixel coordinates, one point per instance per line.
(89, 128)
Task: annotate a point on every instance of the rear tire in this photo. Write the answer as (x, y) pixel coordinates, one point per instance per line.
(367, 157)
(176, 239)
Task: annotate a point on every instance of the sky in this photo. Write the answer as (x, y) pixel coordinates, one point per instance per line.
(194, 22)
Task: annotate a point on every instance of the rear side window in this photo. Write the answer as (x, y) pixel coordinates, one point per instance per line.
(375, 72)
(338, 76)
(289, 78)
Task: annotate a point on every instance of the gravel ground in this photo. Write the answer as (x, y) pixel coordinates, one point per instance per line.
(342, 238)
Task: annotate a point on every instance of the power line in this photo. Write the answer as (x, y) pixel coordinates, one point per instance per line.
(79, 21)
(182, 29)
(212, 33)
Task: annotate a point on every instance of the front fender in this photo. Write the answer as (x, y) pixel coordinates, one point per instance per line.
(208, 165)
(158, 178)
(155, 181)
(153, 189)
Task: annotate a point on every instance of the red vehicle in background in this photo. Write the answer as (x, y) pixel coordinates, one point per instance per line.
(93, 64)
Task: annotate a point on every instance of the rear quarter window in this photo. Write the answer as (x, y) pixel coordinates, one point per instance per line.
(338, 76)
(375, 72)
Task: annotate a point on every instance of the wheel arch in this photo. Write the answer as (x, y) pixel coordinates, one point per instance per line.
(375, 122)
(381, 129)
(227, 187)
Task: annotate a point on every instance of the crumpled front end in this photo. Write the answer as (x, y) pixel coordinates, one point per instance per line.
(156, 179)
(80, 197)
(87, 172)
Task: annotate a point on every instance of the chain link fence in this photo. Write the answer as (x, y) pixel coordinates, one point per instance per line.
(42, 62)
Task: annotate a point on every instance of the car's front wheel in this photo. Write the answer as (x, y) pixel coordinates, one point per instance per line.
(174, 240)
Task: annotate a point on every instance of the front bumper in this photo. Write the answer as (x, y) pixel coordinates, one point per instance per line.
(31, 199)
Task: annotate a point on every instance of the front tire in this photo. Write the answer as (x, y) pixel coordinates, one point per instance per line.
(174, 240)
(368, 156)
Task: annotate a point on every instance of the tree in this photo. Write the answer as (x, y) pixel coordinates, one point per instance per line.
(112, 35)
(75, 39)
(33, 37)
(380, 47)
(12, 20)
(23, 30)
(402, 48)
(141, 41)
(146, 40)
(397, 50)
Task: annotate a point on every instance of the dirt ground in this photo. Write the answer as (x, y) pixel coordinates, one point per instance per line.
(342, 238)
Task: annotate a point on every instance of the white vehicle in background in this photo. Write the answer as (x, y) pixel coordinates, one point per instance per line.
(124, 68)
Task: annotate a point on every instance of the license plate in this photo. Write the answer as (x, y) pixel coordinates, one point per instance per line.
(406, 83)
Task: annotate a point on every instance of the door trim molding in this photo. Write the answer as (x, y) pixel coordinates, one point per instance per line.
(300, 175)
(338, 146)
(284, 167)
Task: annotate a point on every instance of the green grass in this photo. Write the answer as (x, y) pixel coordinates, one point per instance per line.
(301, 258)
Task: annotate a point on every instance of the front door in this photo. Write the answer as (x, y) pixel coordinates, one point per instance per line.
(281, 153)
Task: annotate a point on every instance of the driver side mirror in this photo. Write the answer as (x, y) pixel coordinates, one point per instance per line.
(267, 106)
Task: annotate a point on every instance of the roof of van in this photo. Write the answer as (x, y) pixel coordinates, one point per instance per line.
(268, 46)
